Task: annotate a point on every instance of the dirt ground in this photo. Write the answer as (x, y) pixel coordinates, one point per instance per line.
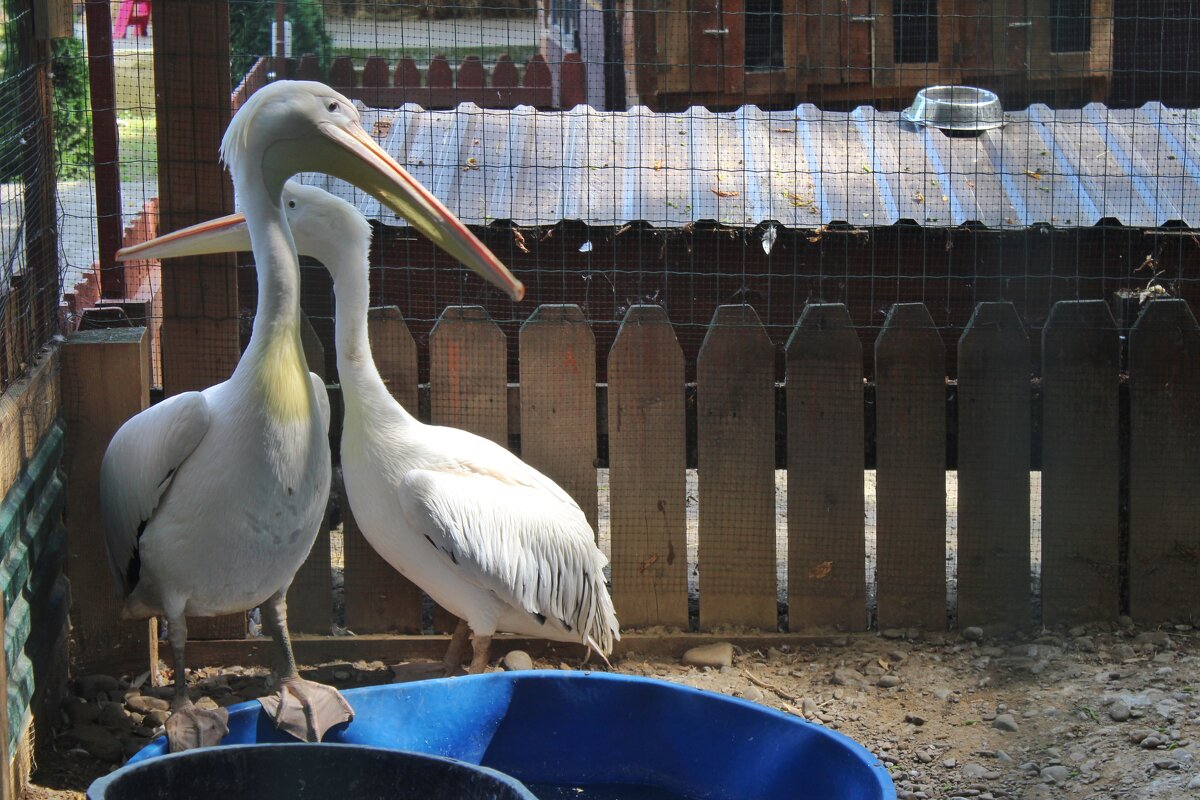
(1105, 711)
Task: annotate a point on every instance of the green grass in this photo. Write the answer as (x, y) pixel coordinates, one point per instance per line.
(138, 135)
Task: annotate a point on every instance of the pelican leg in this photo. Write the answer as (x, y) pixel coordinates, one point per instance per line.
(188, 726)
(457, 648)
(481, 646)
(303, 709)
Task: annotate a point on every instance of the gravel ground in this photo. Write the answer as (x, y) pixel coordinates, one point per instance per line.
(1104, 711)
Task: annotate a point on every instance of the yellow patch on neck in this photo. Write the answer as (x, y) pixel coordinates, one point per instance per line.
(284, 382)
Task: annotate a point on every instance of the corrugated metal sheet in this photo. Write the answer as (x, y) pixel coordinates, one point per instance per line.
(804, 167)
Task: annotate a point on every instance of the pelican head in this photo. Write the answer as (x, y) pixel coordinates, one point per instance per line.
(324, 227)
(289, 127)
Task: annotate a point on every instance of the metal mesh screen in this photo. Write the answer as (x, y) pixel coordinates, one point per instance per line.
(749, 195)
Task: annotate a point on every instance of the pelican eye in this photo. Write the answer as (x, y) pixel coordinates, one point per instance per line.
(291, 203)
(333, 106)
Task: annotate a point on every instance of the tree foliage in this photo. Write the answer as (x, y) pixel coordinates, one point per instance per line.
(250, 32)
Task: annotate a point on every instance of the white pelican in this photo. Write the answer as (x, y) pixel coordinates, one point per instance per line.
(487, 536)
(211, 500)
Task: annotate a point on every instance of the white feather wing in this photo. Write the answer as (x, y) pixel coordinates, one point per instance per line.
(322, 398)
(530, 546)
(138, 467)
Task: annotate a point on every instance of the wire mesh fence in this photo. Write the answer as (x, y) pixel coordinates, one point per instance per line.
(662, 167)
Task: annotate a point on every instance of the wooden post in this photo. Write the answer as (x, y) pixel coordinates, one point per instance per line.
(826, 541)
(378, 598)
(105, 381)
(993, 470)
(104, 145)
(910, 424)
(468, 383)
(200, 311)
(558, 401)
(8, 788)
(1080, 451)
(735, 423)
(1164, 464)
(647, 471)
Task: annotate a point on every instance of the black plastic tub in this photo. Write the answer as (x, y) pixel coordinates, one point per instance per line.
(305, 772)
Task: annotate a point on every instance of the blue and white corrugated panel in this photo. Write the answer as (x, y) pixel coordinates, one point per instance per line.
(800, 168)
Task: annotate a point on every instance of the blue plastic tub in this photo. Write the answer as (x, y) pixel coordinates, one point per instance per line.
(577, 729)
(305, 772)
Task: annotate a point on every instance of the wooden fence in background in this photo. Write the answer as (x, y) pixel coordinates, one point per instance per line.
(1120, 483)
(382, 84)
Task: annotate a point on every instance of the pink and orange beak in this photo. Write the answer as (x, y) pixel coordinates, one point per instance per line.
(228, 234)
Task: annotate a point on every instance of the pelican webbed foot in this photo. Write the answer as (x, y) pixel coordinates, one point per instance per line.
(306, 709)
(189, 727)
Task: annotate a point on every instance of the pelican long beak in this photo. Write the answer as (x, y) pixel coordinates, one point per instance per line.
(356, 158)
(225, 235)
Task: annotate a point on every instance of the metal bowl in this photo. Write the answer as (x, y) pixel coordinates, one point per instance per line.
(956, 108)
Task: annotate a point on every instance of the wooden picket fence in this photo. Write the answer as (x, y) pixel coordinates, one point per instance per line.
(1119, 461)
(1082, 464)
(380, 84)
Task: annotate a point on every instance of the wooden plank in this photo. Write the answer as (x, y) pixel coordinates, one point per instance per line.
(1164, 464)
(910, 424)
(735, 424)
(191, 63)
(646, 454)
(8, 788)
(378, 598)
(314, 650)
(468, 377)
(106, 158)
(471, 74)
(310, 597)
(468, 380)
(826, 540)
(558, 401)
(993, 470)
(1080, 483)
(105, 380)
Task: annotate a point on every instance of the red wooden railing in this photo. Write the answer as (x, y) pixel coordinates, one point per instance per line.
(382, 84)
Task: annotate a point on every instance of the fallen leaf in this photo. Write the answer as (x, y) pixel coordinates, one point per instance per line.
(821, 571)
(866, 169)
(658, 165)
(919, 197)
(1037, 176)
(519, 241)
(723, 193)
(381, 128)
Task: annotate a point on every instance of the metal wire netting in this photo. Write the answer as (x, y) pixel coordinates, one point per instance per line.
(690, 155)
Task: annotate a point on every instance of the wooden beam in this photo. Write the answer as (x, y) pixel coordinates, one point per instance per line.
(1080, 464)
(646, 443)
(826, 543)
(191, 70)
(104, 145)
(736, 451)
(105, 381)
(910, 414)
(313, 650)
(993, 470)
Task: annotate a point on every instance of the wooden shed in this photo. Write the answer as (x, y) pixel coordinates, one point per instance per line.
(845, 53)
